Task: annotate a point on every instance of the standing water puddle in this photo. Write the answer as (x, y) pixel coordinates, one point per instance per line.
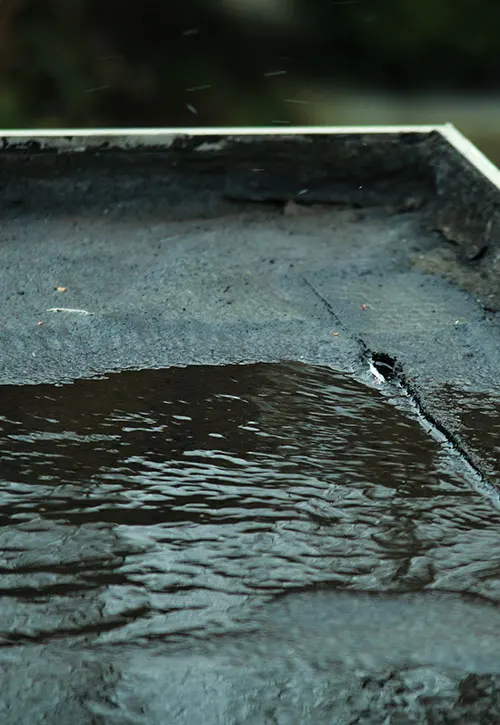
(476, 414)
(147, 513)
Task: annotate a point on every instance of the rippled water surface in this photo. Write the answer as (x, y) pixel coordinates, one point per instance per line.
(476, 414)
(149, 512)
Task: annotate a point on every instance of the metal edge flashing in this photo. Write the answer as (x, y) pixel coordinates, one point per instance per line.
(211, 138)
(471, 153)
(81, 139)
(167, 135)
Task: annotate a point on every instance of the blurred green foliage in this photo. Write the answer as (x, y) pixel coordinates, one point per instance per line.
(134, 63)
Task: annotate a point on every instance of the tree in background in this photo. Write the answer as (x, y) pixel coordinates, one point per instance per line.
(218, 62)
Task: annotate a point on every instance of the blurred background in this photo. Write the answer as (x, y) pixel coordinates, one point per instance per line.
(103, 63)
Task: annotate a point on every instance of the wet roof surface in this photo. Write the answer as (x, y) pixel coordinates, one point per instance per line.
(391, 485)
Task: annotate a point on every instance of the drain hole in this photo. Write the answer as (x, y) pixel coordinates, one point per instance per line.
(387, 366)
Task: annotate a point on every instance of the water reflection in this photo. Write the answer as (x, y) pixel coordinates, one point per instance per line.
(153, 508)
(174, 494)
(475, 415)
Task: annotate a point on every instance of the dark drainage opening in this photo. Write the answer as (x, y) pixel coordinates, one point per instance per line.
(386, 365)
